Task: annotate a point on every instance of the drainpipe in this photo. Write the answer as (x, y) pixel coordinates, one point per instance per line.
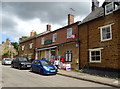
(79, 47)
(87, 43)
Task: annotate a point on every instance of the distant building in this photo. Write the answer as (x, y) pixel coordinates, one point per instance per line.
(7, 50)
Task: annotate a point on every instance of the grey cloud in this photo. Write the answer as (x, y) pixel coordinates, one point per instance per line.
(8, 23)
(50, 12)
(47, 12)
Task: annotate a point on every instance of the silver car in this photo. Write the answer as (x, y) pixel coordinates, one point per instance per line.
(6, 61)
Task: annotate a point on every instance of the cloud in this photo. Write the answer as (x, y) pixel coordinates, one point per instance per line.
(51, 12)
(19, 18)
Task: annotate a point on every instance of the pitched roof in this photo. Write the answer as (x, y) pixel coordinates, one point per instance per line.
(94, 14)
(99, 12)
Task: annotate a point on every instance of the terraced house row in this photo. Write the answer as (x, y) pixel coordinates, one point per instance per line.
(91, 43)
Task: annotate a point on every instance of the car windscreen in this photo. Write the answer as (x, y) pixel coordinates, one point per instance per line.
(7, 59)
(23, 59)
(46, 63)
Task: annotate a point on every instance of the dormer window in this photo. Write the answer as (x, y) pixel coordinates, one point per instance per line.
(109, 8)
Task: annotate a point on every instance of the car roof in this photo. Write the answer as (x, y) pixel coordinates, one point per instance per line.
(40, 60)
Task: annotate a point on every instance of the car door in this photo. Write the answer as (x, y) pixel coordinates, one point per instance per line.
(34, 64)
(14, 62)
(38, 66)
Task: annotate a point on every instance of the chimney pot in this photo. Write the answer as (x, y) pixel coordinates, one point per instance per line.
(32, 34)
(70, 19)
(95, 5)
(48, 27)
(3, 42)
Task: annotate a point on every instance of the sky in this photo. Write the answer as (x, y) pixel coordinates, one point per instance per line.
(18, 18)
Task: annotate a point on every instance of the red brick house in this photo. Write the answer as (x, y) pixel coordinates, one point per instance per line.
(61, 42)
(27, 47)
(99, 35)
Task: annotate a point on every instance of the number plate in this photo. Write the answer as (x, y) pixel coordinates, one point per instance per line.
(28, 65)
(52, 70)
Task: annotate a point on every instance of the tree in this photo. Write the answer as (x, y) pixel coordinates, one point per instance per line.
(15, 44)
(23, 38)
(8, 53)
(35, 33)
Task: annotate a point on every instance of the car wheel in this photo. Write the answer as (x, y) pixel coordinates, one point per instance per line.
(12, 65)
(2, 63)
(31, 69)
(41, 71)
(19, 68)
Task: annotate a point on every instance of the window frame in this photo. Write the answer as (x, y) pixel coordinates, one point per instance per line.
(90, 56)
(68, 53)
(23, 47)
(42, 40)
(101, 32)
(54, 37)
(106, 8)
(30, 45)
(68, 35)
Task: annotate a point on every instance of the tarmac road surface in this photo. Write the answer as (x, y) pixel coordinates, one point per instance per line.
(12, 77)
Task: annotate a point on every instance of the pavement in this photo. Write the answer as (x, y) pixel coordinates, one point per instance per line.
(91, 78)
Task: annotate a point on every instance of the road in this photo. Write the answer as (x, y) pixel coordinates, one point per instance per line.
(12, 77)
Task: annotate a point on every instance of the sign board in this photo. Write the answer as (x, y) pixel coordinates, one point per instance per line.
(48, 42)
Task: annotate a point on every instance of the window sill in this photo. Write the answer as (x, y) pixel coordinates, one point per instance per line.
(97, 62)
(106, 40)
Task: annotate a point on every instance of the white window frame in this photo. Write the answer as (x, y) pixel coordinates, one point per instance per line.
(91, 50)
(68, 56)
(23, 47)
(69, 32)
(31, 45)
(106, 8)
(101, 28)
(42, 40)
(54, 37)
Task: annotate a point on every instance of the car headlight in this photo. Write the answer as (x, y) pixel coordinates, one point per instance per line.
(22, 63)
(55, 67)
(46, 68)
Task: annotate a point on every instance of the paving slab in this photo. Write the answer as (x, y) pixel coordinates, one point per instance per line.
(91, 78)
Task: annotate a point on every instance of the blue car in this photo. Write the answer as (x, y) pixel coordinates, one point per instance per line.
(43, 67)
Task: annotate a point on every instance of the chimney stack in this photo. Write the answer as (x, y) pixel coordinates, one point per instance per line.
(7, 40)
(32, 34)
(95, 5)
(48, 27)
(3, 42)
(70, 19)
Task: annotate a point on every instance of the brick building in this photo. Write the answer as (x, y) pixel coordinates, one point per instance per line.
(27, 47)
(92, 43)
(8, 49)
(62, 42)
(99, 35)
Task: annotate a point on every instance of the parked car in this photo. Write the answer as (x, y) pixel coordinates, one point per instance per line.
(6, 61)
(20, 63)
(43, 67)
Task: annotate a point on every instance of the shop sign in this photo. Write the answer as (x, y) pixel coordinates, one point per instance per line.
(48, 42)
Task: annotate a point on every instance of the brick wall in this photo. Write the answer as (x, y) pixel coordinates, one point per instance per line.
(27, 50)
(61, 36)
(90, 38)
(70, 47)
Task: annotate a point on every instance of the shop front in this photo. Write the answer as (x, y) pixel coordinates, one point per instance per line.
(47, 52)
